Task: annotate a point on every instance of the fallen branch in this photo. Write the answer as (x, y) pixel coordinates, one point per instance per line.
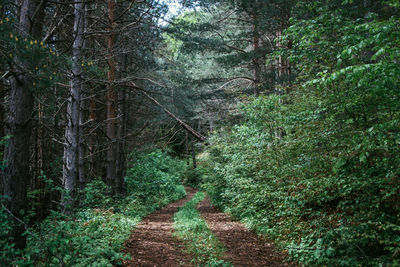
(184, 125)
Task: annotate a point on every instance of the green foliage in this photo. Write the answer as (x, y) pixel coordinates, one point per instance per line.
(154, 174)
(95, 234)
(317, 170)
(8, 252)
(198, 238)
(92, 237)
(96, 194)
(192, 176)
(43, 59)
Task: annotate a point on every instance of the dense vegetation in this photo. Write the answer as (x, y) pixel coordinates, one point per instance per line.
(299, 101)
(95, 234)
(317, 170)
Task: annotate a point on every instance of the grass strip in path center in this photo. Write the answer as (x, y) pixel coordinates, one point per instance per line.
(197, 237)
(152, 243)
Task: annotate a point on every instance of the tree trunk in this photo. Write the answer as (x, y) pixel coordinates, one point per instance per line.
(111, 168)
(72, 129)
(19, 126)
(122, 111)
(2, 113)
(193, 155)
(2, 95)
(256, 59)
(93, 169)
(187, 148)
(81, 147)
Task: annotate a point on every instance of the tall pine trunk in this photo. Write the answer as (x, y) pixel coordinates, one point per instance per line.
(122, 110)
(81, 147)
(111, 166)
(70, 166)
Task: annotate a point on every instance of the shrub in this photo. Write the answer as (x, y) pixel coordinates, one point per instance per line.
(95, 233)
(322, 187)
(96, 194)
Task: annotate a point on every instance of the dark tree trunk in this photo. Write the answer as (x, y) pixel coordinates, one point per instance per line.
(81, 147)
(111, 166)
(2, 95)
(256, 60)
(193, 155)
(121, 147)
(2, 114)
(19, 125)
(187, 148)
(93, 169)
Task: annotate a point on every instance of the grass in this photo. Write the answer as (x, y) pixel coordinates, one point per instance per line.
(199, 241)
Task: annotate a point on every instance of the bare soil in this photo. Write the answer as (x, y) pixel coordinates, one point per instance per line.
(152, 243)
(244, 248)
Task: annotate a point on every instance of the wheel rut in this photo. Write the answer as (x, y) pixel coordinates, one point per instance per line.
(152, 243)
(243, 247)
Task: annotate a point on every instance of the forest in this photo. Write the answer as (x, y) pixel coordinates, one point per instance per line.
(245, 132)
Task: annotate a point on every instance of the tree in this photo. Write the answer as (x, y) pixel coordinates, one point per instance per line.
(70, 166)
(19, 119)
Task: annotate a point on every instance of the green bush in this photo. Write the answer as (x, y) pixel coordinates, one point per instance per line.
(323, 187)
(154, 174)
(317, 170)
(95, 233)
(8, 252)
(96, 194)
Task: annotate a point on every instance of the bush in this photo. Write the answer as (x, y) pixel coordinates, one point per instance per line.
(96, 194)
(154, 174)
(8, 252)
(95, 234)
(318, 169)
(322, 187)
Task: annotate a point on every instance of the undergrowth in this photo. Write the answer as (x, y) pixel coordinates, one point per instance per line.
(198, 238)
(318, 169)
(94, 234)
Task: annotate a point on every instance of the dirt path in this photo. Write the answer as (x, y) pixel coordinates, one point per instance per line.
(152, 244)
(244, 248)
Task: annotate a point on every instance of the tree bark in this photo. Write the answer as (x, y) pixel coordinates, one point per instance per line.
(256, 59)
(81, 147)
(2, 113)
(19, 126)
(93, 169)
(187, 149)
(111, 162)
(121, 145)
(193, 155)
(70, 165)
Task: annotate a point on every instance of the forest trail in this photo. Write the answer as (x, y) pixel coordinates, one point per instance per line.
(152, 243)
(243, 247)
